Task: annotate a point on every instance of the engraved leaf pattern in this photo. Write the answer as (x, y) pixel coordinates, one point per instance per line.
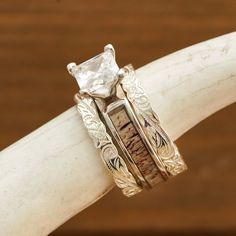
(102, 141)
(166, 150)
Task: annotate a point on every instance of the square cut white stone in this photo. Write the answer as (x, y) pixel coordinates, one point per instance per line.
(98, 75)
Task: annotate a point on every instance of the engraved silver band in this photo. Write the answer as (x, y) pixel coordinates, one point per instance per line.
(119, 118)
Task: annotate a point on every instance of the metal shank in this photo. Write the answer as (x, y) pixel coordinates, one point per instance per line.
(102, 141)
(166, 151)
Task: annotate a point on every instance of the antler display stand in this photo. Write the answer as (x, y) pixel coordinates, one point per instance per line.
(53, 173)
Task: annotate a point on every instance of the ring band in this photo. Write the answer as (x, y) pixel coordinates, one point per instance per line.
(119, 118)
(108, 151)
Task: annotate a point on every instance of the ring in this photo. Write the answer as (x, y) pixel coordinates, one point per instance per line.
(122, 124)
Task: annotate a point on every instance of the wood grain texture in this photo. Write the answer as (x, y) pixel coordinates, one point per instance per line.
(39, 38)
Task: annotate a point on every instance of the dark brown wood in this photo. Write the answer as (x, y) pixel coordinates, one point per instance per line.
(38, 39)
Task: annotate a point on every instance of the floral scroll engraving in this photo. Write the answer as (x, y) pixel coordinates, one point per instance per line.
(166, 150)
(102, 141)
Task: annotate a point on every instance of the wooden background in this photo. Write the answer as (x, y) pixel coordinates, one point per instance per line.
(38, 39)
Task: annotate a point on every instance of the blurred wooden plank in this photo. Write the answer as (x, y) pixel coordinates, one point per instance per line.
(146, 233)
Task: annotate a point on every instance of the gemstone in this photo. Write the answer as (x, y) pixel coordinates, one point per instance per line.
(98, 75)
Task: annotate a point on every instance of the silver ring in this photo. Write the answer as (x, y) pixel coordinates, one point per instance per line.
(119, 118)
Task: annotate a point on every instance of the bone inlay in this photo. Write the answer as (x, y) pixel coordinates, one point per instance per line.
(135, 146)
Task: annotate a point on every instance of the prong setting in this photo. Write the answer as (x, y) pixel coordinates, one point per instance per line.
(98, 75)
(110, 48)
(121, 73)
(70, 67)
(77, 98)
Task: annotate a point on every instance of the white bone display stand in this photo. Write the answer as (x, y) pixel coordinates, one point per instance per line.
(55, 172)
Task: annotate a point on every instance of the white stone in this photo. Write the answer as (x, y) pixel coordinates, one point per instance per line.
(98, 75)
